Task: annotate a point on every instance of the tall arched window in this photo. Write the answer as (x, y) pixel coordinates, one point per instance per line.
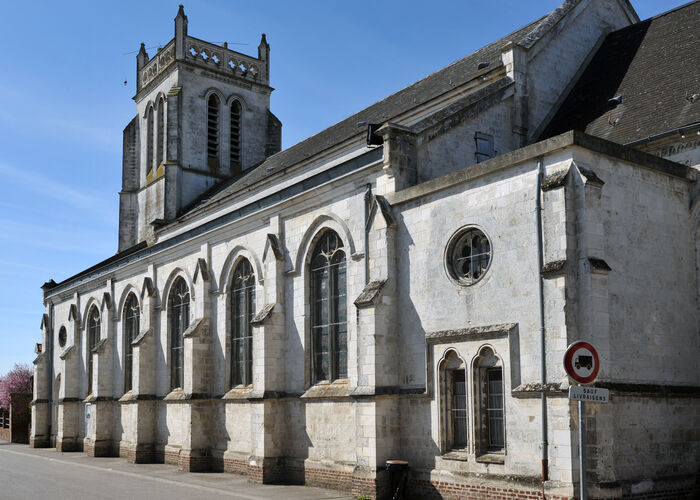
(131, 331)
(149, 140)
(329, 309)
(160, 145)
(235, 139)
(454, 388)
(242, 312)
(179, 310)
(213, 130)
(489, 402)
(93, 334)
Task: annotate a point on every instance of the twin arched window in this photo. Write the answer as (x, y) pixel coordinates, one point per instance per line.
(179, 318)
(487, 402)
(93, 334)
(242, 312)
(329, 309)
(131, 331)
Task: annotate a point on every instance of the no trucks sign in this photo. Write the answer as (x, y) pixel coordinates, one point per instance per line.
(581, 362)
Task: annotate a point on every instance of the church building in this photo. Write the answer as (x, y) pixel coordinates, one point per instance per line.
(403, 284)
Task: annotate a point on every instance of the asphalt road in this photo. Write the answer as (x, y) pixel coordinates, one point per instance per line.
(37, 474)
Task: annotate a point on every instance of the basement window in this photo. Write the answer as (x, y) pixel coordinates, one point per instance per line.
(484, 146)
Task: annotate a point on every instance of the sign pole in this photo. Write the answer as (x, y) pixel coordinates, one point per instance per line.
(582, 364)
(582, 448)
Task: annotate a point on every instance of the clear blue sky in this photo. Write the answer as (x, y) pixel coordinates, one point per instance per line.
(63, 104)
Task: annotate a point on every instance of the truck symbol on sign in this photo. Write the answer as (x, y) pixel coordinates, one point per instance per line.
(585, 361)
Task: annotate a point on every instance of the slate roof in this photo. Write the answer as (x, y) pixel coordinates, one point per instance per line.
(422, 91)
(653, 65)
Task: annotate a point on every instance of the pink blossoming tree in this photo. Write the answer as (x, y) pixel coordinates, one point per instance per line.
(19, 379)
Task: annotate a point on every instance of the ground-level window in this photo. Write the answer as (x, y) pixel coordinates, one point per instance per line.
(242, 313)
(455, 416)
(329, 309)
(131, 331)
(93, 334)
(179, 313)
(494, 408)
(489, 402)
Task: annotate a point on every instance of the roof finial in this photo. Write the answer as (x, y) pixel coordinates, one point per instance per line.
(181, 11)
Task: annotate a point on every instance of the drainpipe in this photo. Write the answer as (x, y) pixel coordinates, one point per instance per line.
(368, 207)
(543, 365)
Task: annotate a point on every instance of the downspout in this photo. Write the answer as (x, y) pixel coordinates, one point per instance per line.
(368, 208)
(543, 365)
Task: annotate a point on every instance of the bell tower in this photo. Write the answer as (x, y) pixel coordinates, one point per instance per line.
(203, 117)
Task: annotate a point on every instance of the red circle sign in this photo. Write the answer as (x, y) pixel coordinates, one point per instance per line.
(581, 362)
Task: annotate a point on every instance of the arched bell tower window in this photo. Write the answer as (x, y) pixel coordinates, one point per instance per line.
(213, 130)
(93, 334)
(242, 312)
(329, 309)
(149, 139)
(131, 331)
(179, 318)
(235, 139)
(160, 136)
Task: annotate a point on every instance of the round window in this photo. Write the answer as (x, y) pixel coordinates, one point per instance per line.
(62, 336)
(468, 255)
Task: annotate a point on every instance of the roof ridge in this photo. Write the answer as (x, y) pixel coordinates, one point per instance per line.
(657, 16)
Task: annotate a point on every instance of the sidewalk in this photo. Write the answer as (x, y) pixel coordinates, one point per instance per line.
(36, 473)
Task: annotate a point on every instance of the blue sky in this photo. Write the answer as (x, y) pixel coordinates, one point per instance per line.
(63, 104)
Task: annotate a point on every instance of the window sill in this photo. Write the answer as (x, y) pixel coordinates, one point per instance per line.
(491, 458)
(458, 455)
(335, 389)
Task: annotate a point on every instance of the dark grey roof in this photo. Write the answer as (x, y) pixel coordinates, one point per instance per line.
(420, 92)
(653, 66)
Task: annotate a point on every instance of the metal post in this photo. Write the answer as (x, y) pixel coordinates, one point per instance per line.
(582, 448)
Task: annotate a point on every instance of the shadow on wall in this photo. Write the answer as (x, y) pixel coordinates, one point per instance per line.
(416, 443)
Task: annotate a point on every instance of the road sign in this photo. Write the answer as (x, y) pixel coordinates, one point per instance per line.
(581, 362)
(590, 394)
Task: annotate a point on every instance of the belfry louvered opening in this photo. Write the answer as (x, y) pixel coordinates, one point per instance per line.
(160, 146)
(235, 139)
(149, 140)
(213, 130)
